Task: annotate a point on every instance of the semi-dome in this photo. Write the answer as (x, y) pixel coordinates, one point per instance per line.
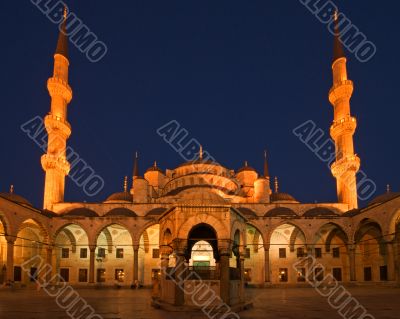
(16, 198)
(384, 198)
(120, 197)
(81, 212)
(282, 197)
(201, 196)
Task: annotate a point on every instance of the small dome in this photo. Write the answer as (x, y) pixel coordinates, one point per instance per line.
(120, 211)
(247, 212)
(156, 211)
(16, 198)
(282, 197)
(320, 212)
(81, 212)
(120, 197)
(245, 168)
(384, 198)
(280, 212)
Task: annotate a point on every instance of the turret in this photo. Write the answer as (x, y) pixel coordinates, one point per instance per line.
(347, 164)
(140, 186)
(247, 176)
(156, 177)
(54, 162)
(262, 188)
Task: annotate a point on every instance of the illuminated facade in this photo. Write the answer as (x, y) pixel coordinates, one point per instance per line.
(228, 225)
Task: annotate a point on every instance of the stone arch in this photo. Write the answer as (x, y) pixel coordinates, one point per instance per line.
(71, 238)
(166, 239)
(35, 223)
(263, 236)
(331, 230)
(394, 221)
(60, 229)
(371, 227)
(299, 231)
(104, 229)
(218, 225)
(202, 232)
(139, 232)
(146, 241)
(6, 225)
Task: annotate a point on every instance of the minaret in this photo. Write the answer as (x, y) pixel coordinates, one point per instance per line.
(347, 164)
(54, 162)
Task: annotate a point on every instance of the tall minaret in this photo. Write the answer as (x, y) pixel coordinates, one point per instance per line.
(347, 164)
(54, 162)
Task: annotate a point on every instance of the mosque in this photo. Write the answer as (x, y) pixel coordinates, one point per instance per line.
(234, 228)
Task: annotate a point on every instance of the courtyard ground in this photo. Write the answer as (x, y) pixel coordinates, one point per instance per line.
(283, 303)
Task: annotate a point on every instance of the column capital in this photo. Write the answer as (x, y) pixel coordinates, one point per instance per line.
(92, 248)
(136, 247)
(10, 239)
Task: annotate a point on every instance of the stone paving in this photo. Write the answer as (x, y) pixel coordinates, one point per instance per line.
(282, 303)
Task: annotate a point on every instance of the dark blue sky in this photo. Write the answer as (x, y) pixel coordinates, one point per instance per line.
(238, 75)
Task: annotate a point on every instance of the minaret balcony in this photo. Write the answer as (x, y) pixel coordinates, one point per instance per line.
(340, 91)
(60, 163)
(56, 123)
(58, 87)
(343, 126)
(348, 164)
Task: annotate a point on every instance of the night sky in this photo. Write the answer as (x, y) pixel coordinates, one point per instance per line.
(238, 75)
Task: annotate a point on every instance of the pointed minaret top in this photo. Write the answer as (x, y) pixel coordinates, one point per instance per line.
(11, 189)
(155, 163)
(246, 164)
(62, 44)
(136, 166)
(266, 169)
(276, 185)
(338, 51)
(387, 188)
(126, 184)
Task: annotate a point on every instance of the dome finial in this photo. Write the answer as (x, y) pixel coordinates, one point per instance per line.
(65, 12)
(125, 184)
(338, 51)
(136, 165)
(276, 185)
(246, 164)
(155, 163)
(201, 152)
(388, 188)
(11, 189)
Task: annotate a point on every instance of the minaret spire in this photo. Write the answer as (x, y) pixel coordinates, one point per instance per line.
(136, 166)
(276, 185)
(54, 162)
(347, 163)
(266, 169)
(201, 153)
(125, 184)
(62, 43)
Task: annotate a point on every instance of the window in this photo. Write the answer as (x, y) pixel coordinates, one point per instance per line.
(300, 252)
(83, 275)
(83, 253)
(283, 274)
(301, 274)
(64, 274)
(156, 253)
(65, 253)
(101, 253)
(282, 252)
(119, 253)
(247, 253)
(336, 252)
(383, 273)
(367, 274)
(17, 273)
(318, 253)
(337, 273)
(119, 275)
(318, 274)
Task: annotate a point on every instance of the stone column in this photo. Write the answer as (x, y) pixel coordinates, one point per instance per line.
(10, 258)
(135, 263)
(267, 271)
(224, 276)
(241, 266)
(396, 260)
(390, 262)
(92, 249)
(179, 279)
(49, 260)
(352, 258)
(164, 268)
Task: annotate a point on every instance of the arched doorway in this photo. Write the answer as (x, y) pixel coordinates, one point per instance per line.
(3, 253)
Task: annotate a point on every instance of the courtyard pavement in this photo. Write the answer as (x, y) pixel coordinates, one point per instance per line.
(282, 303)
